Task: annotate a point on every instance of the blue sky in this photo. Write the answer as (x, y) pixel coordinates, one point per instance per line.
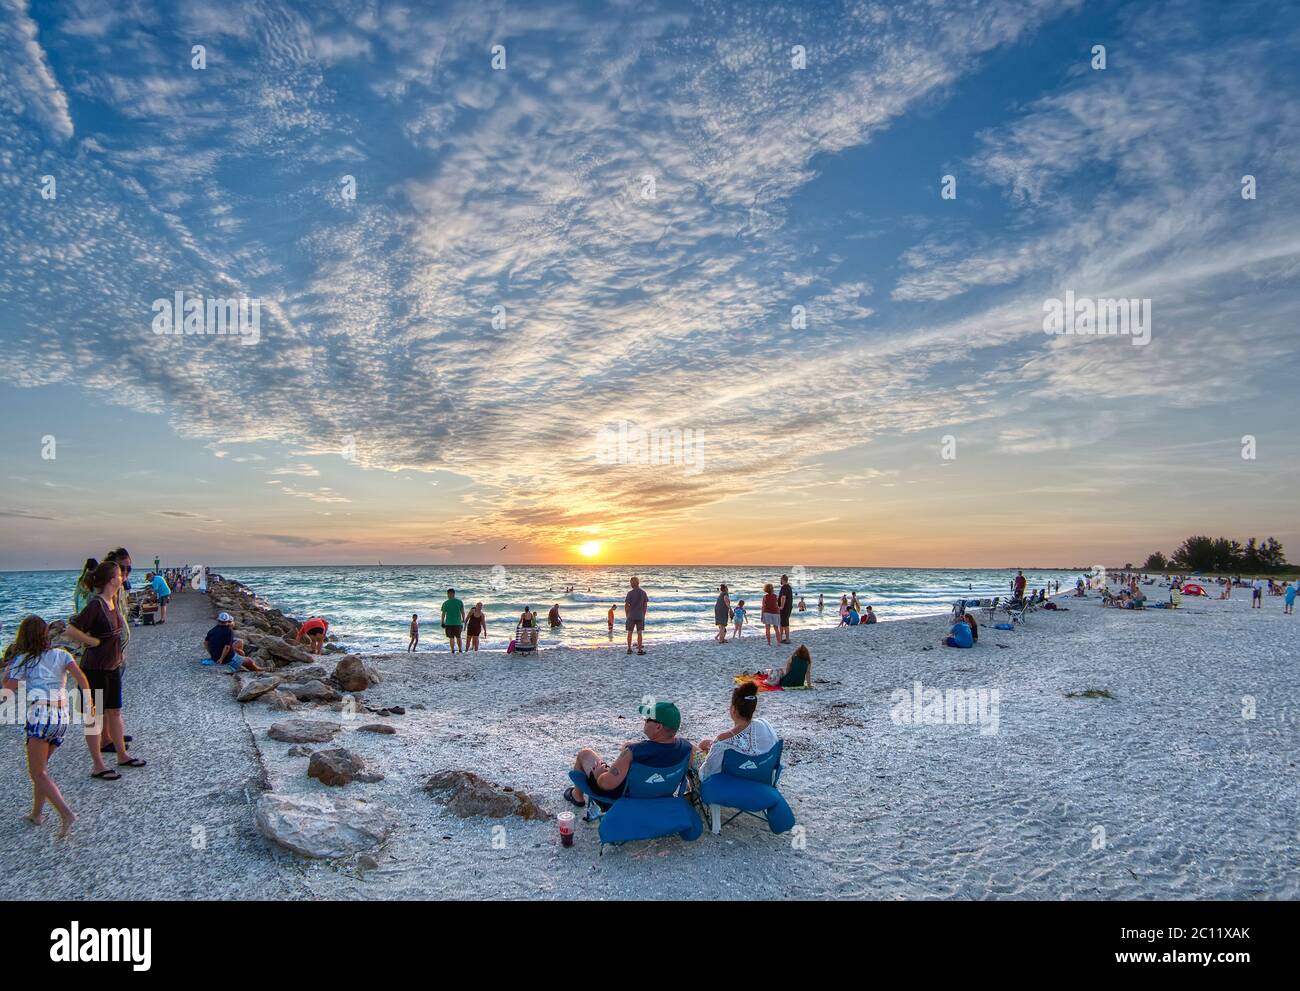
(521, 191)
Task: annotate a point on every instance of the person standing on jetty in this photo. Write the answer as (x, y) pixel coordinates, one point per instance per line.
(161, 589)
(635, 604)
(453, 618)
(101, 629)
(43, 671)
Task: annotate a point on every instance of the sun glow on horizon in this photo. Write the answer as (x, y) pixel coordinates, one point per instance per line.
(590, 549)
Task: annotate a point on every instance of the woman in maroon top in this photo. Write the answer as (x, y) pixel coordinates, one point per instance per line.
(100, 627)
(771, 613)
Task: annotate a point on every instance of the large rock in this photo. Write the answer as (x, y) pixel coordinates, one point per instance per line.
(282, 701)
(466, 794)
(248, 687)
(300, 673)
(322, 826)
(339, 766)
(313, 691)
(355, 675)
(303, 731)
(382, 728)
(279, 650)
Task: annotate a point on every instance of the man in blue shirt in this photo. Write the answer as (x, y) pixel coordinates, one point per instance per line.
(961, 635)
(662, 747)
(159, 585)
(223, 648)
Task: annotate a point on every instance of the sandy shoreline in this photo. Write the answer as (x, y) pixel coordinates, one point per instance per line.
(1195, 800)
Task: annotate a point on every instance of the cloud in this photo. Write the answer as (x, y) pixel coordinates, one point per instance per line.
(507, 281)
(27, 82)
(22, 514)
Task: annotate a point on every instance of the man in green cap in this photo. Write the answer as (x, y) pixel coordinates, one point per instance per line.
(662, 747)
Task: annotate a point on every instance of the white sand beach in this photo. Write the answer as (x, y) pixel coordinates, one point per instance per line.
(1196, 801)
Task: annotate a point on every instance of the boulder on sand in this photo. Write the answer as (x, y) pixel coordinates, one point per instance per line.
(382, 728)
(322, 826)
(303, 731)
(339, 766)
(280, 700)
(355, 675)
(277, 649)
(313, 691)
(466, 794)
(300, 673)
(249, 687)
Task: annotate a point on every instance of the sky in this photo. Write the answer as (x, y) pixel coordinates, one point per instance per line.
(809, 246)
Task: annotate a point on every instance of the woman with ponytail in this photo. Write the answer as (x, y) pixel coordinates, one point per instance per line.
(748, 734)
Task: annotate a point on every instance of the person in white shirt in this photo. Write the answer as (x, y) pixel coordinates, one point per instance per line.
(42, 671)
(1257, 594)
(748, 734)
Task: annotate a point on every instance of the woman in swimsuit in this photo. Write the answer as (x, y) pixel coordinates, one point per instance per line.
(475, 624)
(722, 613)
(528, 621)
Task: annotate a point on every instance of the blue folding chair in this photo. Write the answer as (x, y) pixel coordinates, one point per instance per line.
(651, 806)
(748, 784)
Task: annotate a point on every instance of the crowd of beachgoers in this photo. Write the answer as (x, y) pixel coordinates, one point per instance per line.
(90, 648)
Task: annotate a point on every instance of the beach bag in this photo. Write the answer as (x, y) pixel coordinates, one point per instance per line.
(510, 647)
(1003, 626)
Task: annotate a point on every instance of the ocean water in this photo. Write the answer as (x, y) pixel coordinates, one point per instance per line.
(370, 607)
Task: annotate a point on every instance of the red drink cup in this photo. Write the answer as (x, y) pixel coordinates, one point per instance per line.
(565, 821)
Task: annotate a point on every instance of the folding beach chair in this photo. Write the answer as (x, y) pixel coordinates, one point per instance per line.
(525, 639)
(1016, 610)
(748, 785)
(993, 607)
(652, 805)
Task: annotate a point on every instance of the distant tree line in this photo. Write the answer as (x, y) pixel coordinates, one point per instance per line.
(1221, 554)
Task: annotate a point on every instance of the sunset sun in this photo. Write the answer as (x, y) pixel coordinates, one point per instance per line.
(590, 549)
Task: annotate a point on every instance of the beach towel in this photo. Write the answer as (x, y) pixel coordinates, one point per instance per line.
(758, 679)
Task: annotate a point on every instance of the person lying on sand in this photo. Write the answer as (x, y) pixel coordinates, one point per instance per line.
(748, 734)
(797, 671)
(662, 747)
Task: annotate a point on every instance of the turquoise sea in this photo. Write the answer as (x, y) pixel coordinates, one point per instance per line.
(370, 607)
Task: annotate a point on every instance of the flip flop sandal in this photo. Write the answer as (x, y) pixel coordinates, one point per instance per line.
(108, 774)
(111, 748)
(133, 762)
(568, 797)
(641, 652)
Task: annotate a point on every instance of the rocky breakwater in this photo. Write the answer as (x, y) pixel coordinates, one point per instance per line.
(311, 825)
(268, 634)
